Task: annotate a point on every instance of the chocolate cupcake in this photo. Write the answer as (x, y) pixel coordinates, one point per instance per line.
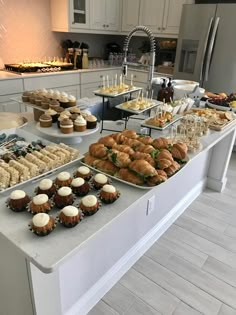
(80, 187)
(66, 126)
(18, 201)
(70, 216)
(26, 96)
(42, 224)
(100, 180)
(64, 102)
(108, 194)
(63, 179)
(80, 124)
(45, 121)
(63, 197)
(45, 103)
(40, 203)
(38, 100)
(84, 172)
(89, 205)
(54, 104)
(46, 186)
(91, 121)
(52, 113)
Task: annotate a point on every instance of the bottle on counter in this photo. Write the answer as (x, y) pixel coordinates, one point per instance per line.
(78, 53)
(162, 92)
(170, 91)
(85, 62)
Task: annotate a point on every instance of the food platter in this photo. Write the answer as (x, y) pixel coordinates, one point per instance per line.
(166, 125)
(139, 111)
(116, 94)
(12, 120)
(219, 107)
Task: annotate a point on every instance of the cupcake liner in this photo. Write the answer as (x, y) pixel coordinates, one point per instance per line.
(47, 211)
(14, 209)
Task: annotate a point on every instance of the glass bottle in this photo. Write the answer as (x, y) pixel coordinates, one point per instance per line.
(85, 62)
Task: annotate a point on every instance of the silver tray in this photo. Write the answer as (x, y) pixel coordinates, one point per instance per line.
(29, 138)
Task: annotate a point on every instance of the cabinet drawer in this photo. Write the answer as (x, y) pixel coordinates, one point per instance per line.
(11, 86)
(139, 76)
(51, 81)
(96, 76)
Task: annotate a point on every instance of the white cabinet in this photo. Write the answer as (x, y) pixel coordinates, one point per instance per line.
(79, 13)
(9, 89)
(105, 15)
(151, 14)
(130, 15)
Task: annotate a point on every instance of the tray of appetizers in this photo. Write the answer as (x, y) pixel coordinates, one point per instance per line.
(222, 102)
(116, 91)
(25, 157)
(138, 105)
(161, 122)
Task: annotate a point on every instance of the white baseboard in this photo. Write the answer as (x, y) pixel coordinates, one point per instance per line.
(216, 185)
(91, 297)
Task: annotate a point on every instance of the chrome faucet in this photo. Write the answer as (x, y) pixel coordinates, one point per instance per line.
(152, 53)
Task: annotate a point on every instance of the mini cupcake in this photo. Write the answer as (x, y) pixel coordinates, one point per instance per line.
(84, 172)
(40, 203)
(44, 92)
(46, 186)
(73, 117)
(66, 126)
(38, 100)
(100, 180)
(80, 124)
(91, 121)
(64, 102)
(63, 197)
(50, 94)
(60, 118)
(26, 96)
(54, 104)
(75, 110)
(70, 216)
(56, 95)
(18, 201)
(63, 179)
(66, 113)
(72, 100)
(86, 113)
(45, 103)
(59, 110)
(52, 113)
(108, 194)
(32, 98)
(45, 121)
(42, 224)
(80, 187)
(89, 205)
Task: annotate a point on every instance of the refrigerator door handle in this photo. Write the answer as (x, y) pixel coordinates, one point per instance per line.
(205, 48)
(210, 50)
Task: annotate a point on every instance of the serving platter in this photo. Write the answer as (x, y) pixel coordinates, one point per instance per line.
(29, 138)
(139, 111)
(116, 94)
(167, 124)
(219, 107)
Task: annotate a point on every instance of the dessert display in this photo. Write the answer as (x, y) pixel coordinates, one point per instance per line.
(70, 216)
(142, 161)
(80, 187)
(18, 201)
(46, 186)
(84, 172)
(40, 203)
(21, 160)
(63, 197)
(63, 179)
(108, 194)
(42, 224)
(89, 205)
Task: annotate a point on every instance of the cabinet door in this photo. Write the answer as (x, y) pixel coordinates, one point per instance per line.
(79, 13)
(151, 14)
(112, 15)
(87, 90)
(172, 16)
(98, 14)
(130, 14)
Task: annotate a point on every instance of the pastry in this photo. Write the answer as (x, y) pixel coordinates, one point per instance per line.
(160, 143)
(66, 126)
(98, 150)
(38, 100)
(129, 176)
(105, 166)
(33, 169)
(142, 168)
(84, 172)
(130, 134)
(89, 205)
(40, 203)
(133, 143)
(108, 141)
(64, 101)
(63, 179)
(108, 194)
(45, 103)
(89, 159)
(72, 100)
(172, 169)
(80, 187)
(91, 121)
(179, 150)
(146, 148)
(118, 137)
(143, 156)
(99, 180)
(73, 117)
(145, 139)
(45, 121)
(18, 201)
(75, 110)
(120, 159)
(70, 216)
(80, 124)
(63, 197)
(26, 96)
(123, 148)
(42, 224)
(52, 113)
(54, 104)
(46, 186)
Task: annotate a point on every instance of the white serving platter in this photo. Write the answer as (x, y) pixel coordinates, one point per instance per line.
(116, 94)
(140, 111)
(168, 124)
(29, 138)
(223, 108)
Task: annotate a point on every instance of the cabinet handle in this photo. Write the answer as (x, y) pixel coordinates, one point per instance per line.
(107, 25)
(163, 28)
(104, 25)
(159, 28)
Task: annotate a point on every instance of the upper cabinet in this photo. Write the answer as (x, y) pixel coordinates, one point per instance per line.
(79, 13)
(105, 15)
(162, 17)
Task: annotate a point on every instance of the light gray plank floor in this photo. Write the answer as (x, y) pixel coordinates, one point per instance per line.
(191, 269)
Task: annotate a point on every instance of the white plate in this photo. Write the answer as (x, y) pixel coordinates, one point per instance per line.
(116, 94)
(215, 106)
(29, 138)
(140, 111)
(168, 124)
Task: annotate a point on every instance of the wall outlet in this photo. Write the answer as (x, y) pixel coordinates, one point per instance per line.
(150, 205)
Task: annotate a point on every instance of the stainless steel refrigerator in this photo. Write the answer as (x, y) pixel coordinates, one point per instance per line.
(206, 50)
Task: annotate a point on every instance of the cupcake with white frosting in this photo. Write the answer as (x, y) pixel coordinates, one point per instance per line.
(64, 101)
(72, 100)
(45, 121)
(100, 180)
(80, 187)
(63, 179)
(91, 121)
(63, 197)
(84, 172)
(46, 186)
(108, 194)
(42, 224)
(40, 203)
(89, 204)
(18, 201)
(80, 124)
(51, 112)
(66, 126)
(70, 216)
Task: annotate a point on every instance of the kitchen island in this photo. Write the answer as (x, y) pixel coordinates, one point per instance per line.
(68, 271)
